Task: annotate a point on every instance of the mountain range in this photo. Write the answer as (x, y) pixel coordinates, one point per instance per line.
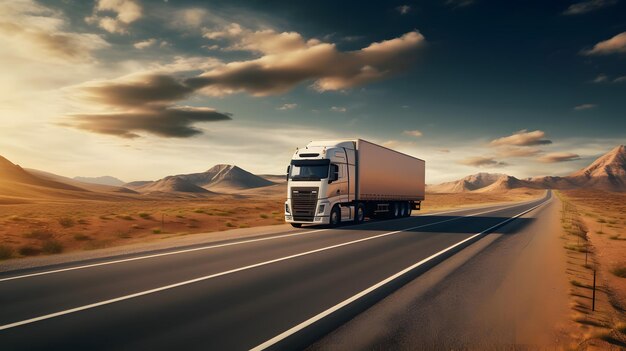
(18, 185)
(608, 172)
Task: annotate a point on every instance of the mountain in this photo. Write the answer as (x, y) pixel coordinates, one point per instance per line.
(607, 172)
(104, 180)
(469, 183)
(172, 184)
(226, 177)
(73, 182)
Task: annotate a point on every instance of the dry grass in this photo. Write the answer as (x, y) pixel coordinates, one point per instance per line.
(437, 202)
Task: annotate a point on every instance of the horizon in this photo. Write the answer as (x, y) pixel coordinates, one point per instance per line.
(152, 89)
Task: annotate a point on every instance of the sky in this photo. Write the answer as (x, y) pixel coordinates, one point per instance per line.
(142, 89)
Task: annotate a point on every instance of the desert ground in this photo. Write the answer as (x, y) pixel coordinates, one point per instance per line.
(52, 227)
(594, 225)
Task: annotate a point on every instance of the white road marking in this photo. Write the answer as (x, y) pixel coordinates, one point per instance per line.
(191, 281)
(187, 250)
(372, 288)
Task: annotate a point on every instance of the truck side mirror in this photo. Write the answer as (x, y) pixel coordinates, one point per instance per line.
(334, 173)
(288, 169)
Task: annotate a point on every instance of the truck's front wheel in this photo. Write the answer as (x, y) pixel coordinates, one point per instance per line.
(335, 216)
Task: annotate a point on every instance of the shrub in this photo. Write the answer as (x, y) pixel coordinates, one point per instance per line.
(52, 247)
(619, 271)
(156, 231)
(264, 216)
(81, 237)
(230, 225)
(29, 251)
(145, 215)
(66, 222)
(126, 217)
(5, 252)
(39, 234)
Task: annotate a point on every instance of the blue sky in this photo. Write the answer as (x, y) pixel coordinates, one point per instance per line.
(143, 89)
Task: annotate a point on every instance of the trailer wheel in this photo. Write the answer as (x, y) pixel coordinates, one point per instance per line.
(394, 210)
(335, 216)
(409, 209)
(359, 215)
(401, 210)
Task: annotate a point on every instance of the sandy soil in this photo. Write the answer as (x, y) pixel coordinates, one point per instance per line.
(594, 221)
(51, 227)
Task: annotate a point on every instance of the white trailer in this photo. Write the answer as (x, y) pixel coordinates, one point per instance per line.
(348, 180)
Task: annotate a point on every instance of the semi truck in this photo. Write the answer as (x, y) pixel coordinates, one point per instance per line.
(330, 182)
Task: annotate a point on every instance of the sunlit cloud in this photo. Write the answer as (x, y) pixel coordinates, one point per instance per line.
(511, 151)
(145, 43)
(584, 107)
(615, 45)
(173, 121)
(414, 133)
(522, 138)
(558, 157)
(287, 107)
(338, 109)
(404, 9)
(126, 12)
(36, 33)
(583, 7)
(482, 161)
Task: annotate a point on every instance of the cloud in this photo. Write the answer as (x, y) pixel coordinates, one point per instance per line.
(558, 157)
(522, 138)
(404, 9)
(34, 32)
(584, 107)
(580, 8)
(415, 133)
(621, 79)
(287, 107)
(189, 18)
(615, 45)
(126, 12)
(172, 121)
(444, 151)
(512, 151)
(338, 109)
(482, 161)
(601, 78)
(289, 61)
(145, 43)
(459, 3)
(135, 90)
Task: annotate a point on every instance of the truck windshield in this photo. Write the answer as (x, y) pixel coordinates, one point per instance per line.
(309, 169)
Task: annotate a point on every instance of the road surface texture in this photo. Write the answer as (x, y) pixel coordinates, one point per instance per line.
(286, 291)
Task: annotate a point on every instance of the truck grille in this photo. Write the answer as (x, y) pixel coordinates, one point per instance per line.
(303, 202)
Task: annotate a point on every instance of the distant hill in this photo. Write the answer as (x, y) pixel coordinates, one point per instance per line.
(608, 172)
(104, 180)
(172, 184)
(219, 178)
(72, 181)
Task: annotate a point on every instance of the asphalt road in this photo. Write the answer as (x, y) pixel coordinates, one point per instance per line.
(283, 291)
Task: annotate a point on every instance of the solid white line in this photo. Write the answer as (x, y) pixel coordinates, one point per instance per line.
(344, 303)
(182, 251)
(187, 282)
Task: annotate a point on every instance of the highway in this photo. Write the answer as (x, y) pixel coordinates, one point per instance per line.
(282, 291)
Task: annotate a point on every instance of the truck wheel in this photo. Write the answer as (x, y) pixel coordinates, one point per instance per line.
(359, 216)
(394, 210)
(296, 225)
(401, 210)
(409, 209)
(335, 216)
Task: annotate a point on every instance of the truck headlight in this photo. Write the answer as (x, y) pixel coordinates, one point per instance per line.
(287, 208)
(321, 209)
